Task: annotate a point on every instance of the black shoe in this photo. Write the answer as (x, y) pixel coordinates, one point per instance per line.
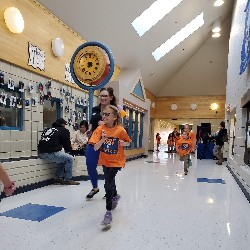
(219, 163)
(59, 181)
(92, 193)
(71, 182)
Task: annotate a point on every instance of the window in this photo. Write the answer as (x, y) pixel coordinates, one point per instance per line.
(232, 131)
(179, 37)
(247, 150)
(153, 15)
(11, 117)
(51, 111)
(133, 124)
(81, 113)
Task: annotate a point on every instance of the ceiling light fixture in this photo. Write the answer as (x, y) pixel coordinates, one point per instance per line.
(216, 25)
(14, 20)
(218, 3)
(173, 106)
(177, 38)
(193, 106)
(214, 106)
(153, 15)
(215, 35)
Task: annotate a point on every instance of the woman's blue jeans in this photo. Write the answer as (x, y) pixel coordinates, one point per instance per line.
(92, 157)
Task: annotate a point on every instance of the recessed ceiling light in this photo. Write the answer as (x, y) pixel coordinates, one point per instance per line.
(216, 27)
(153, 15)
(216, 35)
(177, 38)
(218, 3)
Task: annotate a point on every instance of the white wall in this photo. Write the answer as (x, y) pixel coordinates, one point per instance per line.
(207, 69)
(237, 86)
(126, 81)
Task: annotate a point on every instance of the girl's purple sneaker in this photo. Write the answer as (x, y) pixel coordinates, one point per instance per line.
(107, 218)
(115, 200)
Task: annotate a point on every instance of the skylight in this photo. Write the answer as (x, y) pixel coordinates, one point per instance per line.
(153, 15)
(178, 37)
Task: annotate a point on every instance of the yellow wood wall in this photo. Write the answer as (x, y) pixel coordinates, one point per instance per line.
(203, 110)
(40, 27)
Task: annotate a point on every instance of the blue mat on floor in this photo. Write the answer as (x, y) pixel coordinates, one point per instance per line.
(221, 181)
(33, 212)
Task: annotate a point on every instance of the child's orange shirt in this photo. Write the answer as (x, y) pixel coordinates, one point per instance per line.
(170, 141)
(158, 139)
(111, 151)
(184, 146)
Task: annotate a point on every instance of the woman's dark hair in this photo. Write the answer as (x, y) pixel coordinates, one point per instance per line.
(84, 123)
(222, 124)
(111, 93)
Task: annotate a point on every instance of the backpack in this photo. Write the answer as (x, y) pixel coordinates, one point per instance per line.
(225, 138)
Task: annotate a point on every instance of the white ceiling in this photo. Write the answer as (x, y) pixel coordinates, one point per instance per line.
(110, 22)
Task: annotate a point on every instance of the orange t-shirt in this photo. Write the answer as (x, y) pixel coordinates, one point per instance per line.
(184, 146)
(158, 139)
(111, 151)
(192, 136)
(170, 141)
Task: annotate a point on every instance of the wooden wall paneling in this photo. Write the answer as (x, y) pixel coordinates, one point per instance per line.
(203, 110)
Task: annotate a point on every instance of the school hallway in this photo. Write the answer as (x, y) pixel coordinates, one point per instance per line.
(160, 208)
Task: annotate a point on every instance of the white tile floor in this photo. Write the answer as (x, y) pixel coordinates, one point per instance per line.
(160, 209)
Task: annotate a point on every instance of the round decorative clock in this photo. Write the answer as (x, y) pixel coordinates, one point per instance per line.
(92, 65)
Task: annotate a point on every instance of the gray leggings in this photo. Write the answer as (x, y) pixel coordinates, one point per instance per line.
(218, 153)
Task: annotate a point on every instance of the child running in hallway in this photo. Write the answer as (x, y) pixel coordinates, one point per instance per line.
(9, 185)
(183, 147)
(110, 138)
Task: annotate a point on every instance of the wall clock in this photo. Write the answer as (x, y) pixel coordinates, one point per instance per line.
(92, 65)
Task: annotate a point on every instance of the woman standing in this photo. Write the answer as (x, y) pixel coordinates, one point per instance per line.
(107, 98)
(158, 141)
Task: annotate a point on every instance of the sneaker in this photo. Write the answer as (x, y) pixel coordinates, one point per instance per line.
(59, 181)
(115, 201)
(9, 190)
(92, 193)
(218, 163)
(107, 218)
(71, 182)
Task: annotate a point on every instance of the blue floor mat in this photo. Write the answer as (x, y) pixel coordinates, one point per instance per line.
(33, 212)
(221, 181)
